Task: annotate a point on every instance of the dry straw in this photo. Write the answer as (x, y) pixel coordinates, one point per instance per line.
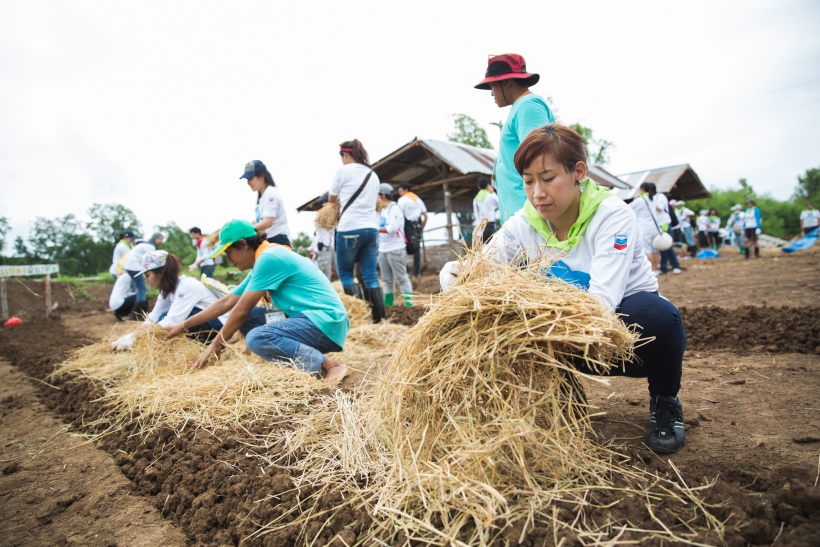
(478, 423)
(150, 383)
(328, 215)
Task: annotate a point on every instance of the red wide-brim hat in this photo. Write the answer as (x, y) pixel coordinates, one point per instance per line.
(507, 66)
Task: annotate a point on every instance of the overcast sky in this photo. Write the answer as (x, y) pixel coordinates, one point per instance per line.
(159, 105)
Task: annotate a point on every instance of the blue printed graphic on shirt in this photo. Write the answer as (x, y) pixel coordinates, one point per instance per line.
(560, 270)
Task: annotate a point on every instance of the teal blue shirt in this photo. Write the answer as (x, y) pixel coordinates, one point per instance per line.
(527, 113)
(296, 286)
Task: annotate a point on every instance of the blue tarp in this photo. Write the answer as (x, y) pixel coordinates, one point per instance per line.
(708, 253)
(803, 243)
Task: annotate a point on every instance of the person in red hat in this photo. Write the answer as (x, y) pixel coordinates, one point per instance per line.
(510, 83)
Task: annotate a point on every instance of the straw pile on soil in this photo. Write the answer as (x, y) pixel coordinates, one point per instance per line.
(479, 430)
(150, 383)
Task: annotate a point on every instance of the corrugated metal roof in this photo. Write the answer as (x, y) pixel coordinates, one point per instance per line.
(464, 158)
(663, 177)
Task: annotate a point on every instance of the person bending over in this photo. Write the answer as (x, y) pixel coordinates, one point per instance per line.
(305, 318)
(596, 240)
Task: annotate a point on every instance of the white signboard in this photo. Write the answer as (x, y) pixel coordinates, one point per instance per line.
(37, 269)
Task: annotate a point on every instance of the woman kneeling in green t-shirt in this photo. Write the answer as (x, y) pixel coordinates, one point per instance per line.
(305, 319)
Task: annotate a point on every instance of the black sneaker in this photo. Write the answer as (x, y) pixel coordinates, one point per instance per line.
(666, 433)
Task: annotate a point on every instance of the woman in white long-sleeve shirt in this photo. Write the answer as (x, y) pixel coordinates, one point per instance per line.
(393, 248)
(181, 297)
(597, 245)
(120, 250)
(133, 267)
(651, 210)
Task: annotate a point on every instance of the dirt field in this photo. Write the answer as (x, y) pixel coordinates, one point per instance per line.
(750, 390)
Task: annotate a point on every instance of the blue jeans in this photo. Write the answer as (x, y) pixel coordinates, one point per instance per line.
(661, 360)
(281, 239)
(669, 256)
(139, 283)
(207, 271)
(358, 246)
(689, 236)
(296, 339)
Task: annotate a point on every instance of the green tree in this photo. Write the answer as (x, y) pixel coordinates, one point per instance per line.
(20, 248)
(808, 186)
(467, 131)
(109, 220)
(67, 242)
(177, 241)
(598, 148)
(301, 244)
(4, 229)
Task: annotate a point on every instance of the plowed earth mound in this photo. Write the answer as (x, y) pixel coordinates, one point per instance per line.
(204, 482)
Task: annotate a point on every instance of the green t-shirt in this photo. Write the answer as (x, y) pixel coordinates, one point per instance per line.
(296, 286)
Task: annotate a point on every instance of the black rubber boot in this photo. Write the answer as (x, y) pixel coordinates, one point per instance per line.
(666, 433)
(353, 290)
(375, 298)
(757, 252)
(746, 253)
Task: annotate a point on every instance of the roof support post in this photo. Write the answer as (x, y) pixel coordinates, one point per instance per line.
(448, 209)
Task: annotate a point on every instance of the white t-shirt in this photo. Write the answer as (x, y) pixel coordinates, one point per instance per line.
(646, 213)
(662, 202)
(810, 218)
(202, 252)
(271, 205)
(391, 218)
(714, 224)
(684, 217)
(134, 260)
(362, 213)
(323, 236)
(735, 222)
(609, 261)
(485, 209)
(413, 209)
(123, 288)
(190, 294)
(703, 223)
(119, 252)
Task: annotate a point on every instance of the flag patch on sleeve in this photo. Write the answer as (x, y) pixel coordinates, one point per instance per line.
(620, 242)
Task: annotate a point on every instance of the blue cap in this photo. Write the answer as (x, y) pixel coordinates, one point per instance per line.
(252, 168)
(128, 233)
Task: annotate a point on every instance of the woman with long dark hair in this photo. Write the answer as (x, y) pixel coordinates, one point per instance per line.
(356, 188)
(597, 245)
(271, 218)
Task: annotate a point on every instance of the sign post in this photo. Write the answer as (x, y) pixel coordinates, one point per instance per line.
(19, 271)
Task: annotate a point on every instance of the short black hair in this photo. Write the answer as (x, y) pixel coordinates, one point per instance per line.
(195, 230)
(483, 182)
(405, 186)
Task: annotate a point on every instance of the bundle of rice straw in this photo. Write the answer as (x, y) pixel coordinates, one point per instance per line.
(476, 426)
(328, 215)
(151, 385)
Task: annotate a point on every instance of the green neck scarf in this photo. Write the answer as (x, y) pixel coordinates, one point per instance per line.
(123, 241)
(481, 195)
(591, 197)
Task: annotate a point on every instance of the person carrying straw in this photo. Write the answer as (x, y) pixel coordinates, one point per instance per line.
(305, 318)
(597, 245)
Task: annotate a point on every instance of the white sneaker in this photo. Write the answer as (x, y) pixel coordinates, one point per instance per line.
(676, 271)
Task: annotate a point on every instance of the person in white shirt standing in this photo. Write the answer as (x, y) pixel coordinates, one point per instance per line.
(392, 248)
(809, 218)
(133, 267)
(650, 208)
(322, 245)
(685, 217)
(206, 265)
(734, 225)
(120, 250)
(485, 206)
(356, 188)
(271, 218)
(703, 228)
(416, 213)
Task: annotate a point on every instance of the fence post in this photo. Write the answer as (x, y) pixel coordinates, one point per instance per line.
(4, 298)
(48, 296)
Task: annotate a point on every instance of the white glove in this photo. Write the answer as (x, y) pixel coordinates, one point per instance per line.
(192, 267)
(124, 343)
(448, 274)
(757, 232)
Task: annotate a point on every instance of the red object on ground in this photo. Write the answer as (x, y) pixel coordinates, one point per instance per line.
(13, 322)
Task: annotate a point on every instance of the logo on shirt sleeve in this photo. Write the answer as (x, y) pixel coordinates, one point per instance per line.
(180, 295)
(621, 242)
